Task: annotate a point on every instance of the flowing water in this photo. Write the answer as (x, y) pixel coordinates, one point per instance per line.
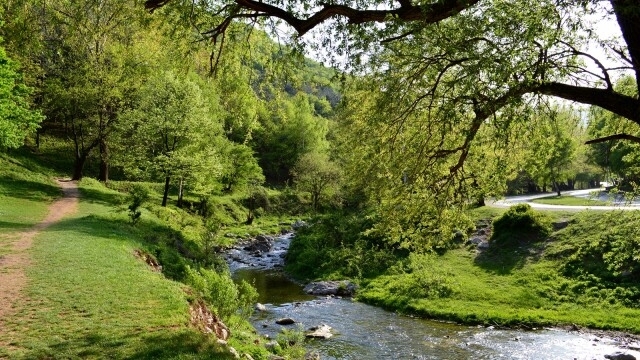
(366, 332)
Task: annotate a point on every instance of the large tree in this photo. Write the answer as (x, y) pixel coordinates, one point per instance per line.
(173, 132)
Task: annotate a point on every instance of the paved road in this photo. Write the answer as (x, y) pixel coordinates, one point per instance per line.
(617, 203)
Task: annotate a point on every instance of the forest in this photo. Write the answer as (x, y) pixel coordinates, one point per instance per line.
(387, 128)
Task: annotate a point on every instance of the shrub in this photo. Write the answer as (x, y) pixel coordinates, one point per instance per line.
(522, 223)
(138, 195)
(221, 293)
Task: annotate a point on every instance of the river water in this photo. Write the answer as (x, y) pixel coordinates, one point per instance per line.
(366, 332)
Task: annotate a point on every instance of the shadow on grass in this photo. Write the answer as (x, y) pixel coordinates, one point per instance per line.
(159, 344)
(502, 259)
(27, 189)
(6, 225)
(102, 197)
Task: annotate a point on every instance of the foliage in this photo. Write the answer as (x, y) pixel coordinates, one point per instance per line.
(338, 246)
(316, 174)
(138, 196)
(221, 292)
(172, 132)
(240, 168)
(520, 223)
(603, 254)
(17, 119)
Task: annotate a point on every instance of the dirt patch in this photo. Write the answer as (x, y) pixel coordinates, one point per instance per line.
(203, 319)
(148, 259)
(12, 267)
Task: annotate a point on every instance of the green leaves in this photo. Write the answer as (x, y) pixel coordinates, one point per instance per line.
(17, 119)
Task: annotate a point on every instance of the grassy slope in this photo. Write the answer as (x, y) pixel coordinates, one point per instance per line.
(521, 286)
(88, 296)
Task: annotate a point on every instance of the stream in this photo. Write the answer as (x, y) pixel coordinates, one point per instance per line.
(367, 332)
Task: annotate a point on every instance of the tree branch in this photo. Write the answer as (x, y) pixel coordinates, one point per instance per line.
(614, 137)
(623, 105)
(430, 13)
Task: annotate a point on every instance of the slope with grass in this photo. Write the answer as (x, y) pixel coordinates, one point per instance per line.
(530, 275)
(88, 293)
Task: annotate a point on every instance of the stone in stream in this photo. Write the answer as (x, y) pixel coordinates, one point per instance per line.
(320, 332)
(260, 307)
(323, 288)
(620, 356)
(285, 321)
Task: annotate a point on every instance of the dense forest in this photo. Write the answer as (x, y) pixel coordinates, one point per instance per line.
(211, 119)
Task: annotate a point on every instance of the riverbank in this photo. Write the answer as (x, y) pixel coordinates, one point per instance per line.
(583, 273)
(96, 285)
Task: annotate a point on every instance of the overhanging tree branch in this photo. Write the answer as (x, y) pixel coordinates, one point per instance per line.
(614, 137)
(430, 13)
(623, 105)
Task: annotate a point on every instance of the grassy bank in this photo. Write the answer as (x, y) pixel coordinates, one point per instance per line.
(585, 274)
(91, 295)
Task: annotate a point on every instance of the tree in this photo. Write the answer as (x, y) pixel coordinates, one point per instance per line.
(17, 119)
(173, 132)
(552, 146)
(316, 174)
(89, 70)
(240, 167)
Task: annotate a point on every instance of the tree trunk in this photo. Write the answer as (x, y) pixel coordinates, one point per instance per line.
(166, 191)
(180, 193)
(557, 186)
(104, 162)
(78, 167)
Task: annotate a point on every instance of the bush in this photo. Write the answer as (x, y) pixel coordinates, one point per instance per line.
(426, 279)
(221, 293)
(521, 223)
(138, 195)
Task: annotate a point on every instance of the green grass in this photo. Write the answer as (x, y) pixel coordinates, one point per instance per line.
(507, 293)
(88, 295)
(569, 200)
(586, 274)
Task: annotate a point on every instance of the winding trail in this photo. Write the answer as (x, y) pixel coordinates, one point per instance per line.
(13, 265)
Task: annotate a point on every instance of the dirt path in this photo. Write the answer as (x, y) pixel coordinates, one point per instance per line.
(13, 265)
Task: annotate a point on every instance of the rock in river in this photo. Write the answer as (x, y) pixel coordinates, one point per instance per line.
(620, 356)
(320, 332)
(285, 321)
(322, 288)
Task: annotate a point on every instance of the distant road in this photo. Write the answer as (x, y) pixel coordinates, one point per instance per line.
(616, 203)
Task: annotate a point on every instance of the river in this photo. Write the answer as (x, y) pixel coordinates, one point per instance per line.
(367, 332)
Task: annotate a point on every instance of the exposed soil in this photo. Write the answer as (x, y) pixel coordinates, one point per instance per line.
(13, 265)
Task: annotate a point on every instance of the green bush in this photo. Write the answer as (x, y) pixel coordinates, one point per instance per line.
(425, 278)
(221, 293)
(602, 253)
(520, 223)
(138, 195)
